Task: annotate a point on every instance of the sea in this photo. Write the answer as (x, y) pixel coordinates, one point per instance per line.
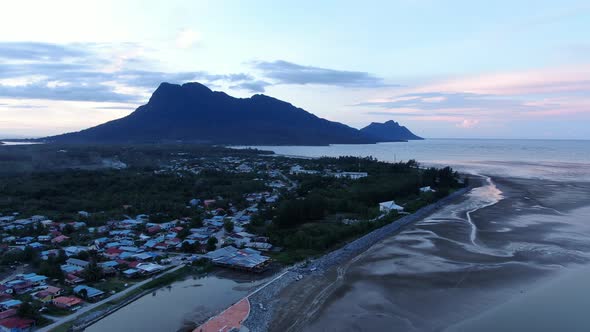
(551, 159)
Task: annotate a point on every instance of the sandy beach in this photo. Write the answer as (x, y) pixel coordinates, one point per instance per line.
(501, 242)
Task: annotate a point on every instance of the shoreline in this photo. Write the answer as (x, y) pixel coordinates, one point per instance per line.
(264, 299)
(430, 268)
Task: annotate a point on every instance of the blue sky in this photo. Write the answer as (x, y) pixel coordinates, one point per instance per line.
(507, 69)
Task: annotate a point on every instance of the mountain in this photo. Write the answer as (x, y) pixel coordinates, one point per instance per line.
(193, 113)
(389, 131)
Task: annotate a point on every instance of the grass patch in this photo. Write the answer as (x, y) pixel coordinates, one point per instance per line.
(55, 311)
(114, 284)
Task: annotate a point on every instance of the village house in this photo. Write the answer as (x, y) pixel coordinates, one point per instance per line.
(10, 304)
(67, 302)
(241, 259)
(48, 294)
(88, 292)
(389, 206)
(149, 268)
(8, 313)
(59, 239)
(16, 324)
(77, 262)
(426, 189)
(296, 170)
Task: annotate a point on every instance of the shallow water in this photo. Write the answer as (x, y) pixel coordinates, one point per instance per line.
(465, 259)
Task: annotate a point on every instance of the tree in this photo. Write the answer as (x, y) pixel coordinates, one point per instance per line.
(92, 272)
(83, 255)
(61, 257)
(51, 269)
(187, 247)
(83, 293)
(228, 225)
(69, 229)
(183, 233)
(28, 254)
(27, 310)
(212, 243)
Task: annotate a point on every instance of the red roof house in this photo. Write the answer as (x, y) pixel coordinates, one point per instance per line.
(16, 324)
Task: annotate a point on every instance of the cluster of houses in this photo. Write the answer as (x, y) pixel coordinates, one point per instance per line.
(37, 287)
(195, 165)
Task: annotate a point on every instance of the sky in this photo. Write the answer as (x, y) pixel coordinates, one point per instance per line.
(445, 69)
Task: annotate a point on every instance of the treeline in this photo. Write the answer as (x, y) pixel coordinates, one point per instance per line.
(49, 157)
(308, 221)
(318, 196)
(107, 191)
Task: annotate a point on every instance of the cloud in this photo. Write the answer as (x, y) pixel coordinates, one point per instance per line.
(527, 95)
(283, 72)
(65, 72)
(417, 114)
(39, 51)
(467, 123)
(187, 38)
(252, 86)
(114, 108)
(106, 72)
(22, 106)
(94, 92)
(457, 100)
(557, 80)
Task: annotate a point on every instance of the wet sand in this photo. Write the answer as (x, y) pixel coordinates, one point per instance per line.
(498, 244)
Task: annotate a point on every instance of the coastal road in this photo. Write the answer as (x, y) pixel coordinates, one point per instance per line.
(92, 306)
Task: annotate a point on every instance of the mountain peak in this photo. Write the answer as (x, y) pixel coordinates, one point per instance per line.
(390, 122)
(389, 131)
(195, 87)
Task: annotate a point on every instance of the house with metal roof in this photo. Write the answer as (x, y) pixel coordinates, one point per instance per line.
(91, 292)
(390, 206)
(241, 259)
(77, 262)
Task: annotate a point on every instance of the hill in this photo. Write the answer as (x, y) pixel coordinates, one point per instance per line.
(389, 131)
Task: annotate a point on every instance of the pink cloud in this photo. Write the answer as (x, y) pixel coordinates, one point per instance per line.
(540, 81)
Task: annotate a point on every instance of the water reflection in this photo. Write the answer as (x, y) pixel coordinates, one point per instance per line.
(181, 305)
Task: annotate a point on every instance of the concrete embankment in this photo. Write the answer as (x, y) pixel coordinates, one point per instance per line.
(264, 301)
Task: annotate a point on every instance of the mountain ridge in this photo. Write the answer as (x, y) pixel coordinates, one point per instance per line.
(192, 112)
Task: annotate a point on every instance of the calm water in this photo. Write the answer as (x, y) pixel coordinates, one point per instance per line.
(464, 150)
(18, 143)
(182, 304)
(561, 159)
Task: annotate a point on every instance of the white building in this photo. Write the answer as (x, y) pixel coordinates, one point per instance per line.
(390, 206)
(426, 189)
(300, 170)
(351, 175)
